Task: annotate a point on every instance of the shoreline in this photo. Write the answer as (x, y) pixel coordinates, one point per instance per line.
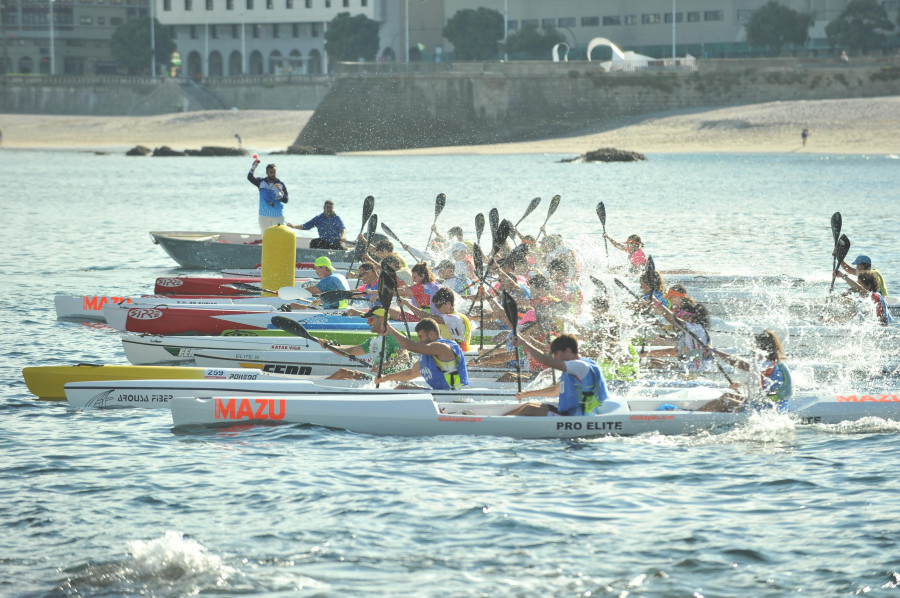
(854, 126)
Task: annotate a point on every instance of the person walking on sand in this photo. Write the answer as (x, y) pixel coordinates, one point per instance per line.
(803, 135)
(272, 194)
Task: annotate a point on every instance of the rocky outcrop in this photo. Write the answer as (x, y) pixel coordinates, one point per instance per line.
(209, 150)
(166, 152)
(307, 150)
(609, 154)
(139, 150)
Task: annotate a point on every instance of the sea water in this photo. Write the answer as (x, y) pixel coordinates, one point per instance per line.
(115, 503)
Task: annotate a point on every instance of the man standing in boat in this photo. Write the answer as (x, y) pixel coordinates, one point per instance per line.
(442, 363)
(581, 387)
(272, 195)
(330, 227)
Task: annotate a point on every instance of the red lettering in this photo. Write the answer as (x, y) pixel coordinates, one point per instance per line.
(279, 413)
(847, 399)
(245, 411)
(224, 409)
(93, 303)
(867, 398)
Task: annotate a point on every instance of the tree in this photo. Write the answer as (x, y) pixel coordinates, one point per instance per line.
(531, 44)
(130, 45)
(774, 25)
(860, 27)
(475, 34)
(350, 38)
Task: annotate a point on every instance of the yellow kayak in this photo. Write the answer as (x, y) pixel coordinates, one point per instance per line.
(48, 382)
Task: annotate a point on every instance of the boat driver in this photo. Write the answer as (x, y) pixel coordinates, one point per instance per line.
(581, 387)
(442, 363)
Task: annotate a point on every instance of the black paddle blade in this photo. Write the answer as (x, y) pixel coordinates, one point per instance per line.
(511, 310)
(368, 208)
(600, 285)
(439, 203)
(601, 213)
(338, 295)
(390, 233)
(651, 276)
(531, 207)
(479, 226)
(554, 203)
(836, 227)
(511, 228)
(494, 221)
(843, 247)
(502, 235)
(293, 327)
(478, 257)
(373, 226)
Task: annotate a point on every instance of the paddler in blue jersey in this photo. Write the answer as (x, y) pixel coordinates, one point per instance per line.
(442, 363)
(329, 280)
(273, 195)
(581, 387)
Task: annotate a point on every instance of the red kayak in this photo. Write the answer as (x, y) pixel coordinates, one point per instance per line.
(203, 285)
(184, 320)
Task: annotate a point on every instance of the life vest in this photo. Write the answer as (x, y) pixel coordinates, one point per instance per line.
(445, 375)
(776, 381)
(585, 395)
(422, 294)
(460, 336)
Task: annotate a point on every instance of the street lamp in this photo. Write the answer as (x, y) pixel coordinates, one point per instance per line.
(52, 48)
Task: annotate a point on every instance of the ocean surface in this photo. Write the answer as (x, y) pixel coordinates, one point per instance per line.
(117, 503)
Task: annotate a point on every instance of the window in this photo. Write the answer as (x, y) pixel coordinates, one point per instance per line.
(529, 23)
(101, 20)
(512, 25)
(744, 15)
(631, 19)
(346, 3)
(714, 15)
(235, 32)
(86, 21)
(116, 21)
(295, 30)
(289, 4)
(188, 5)
(209, 4)
(327, 3)
(693, 17)
(85, 1)
(213, 32)
(363, 2)
(254, 29)
(610, 21)
(193, 32)
(308, 3)
(314, 29)
(270, 4)
(590, 21)
(650, 19)
(249, 4)
(547, 23)
(566, 22)
(679, 17)
(276, 32)
(167, 5)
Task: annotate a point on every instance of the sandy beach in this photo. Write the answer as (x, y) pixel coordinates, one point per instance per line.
(855, 126)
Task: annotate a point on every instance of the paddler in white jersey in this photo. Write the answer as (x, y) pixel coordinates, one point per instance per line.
(581, 387)
(442, 363)
(395, 357)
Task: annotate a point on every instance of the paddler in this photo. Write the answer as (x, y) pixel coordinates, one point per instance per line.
(634, 247)
(442, 362)
(581, 387)
(863, 265)
(330, 227)
(272, 195)
(396, 359)
(452, 324)
(329, 280)
(867, 287)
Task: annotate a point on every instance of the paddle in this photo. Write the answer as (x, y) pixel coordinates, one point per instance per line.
(339, 295)
(500, 344)
(385, 295)
(510, 227)
(534, 203)
(836, 221)
(287, 293)
(512, 314)
(494, 220)
(479, 226)
(373, 225)
(297, 329)
(554, 203)
(601, 214)
(390, 233)
(368, 206)
(841, 249)
(391, 281)
(439, 202)
(478, 257)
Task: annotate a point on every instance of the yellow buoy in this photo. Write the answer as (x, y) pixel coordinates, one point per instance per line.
(279, 254)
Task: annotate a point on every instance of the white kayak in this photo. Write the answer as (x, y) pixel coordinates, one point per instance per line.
(295, 363)
(156, 349)
(156, 394)
(396, 414)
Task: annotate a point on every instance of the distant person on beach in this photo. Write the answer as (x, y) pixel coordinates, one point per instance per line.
(272, 194)
(330, 227)
(803, 135)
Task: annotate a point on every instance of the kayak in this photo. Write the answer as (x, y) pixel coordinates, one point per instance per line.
(205, 285)
(396, 414)
(156, 394)
(47, 382)
(117, 315)
(295, 363)
(219, 250)
(155, 349)
(90, 307)
(186, 320)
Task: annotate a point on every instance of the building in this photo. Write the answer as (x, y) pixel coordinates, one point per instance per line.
(77, 43)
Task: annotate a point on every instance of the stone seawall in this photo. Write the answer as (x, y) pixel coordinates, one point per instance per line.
(498, 102)
(144, 96)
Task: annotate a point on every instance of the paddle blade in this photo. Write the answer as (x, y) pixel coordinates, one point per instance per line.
(368, 208)
(554, 203)
(510, 227)
(843, 247)
(531, 207)
(478, 257)
(390, 233)
(338, 295)
(479, 226)
(292, 327)
(511, 310)
(502, 235)
(294, 293)
(601, 213)
(494, 221)
(439, 202)
(836, 227)
(652, 280)
(373, 226)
